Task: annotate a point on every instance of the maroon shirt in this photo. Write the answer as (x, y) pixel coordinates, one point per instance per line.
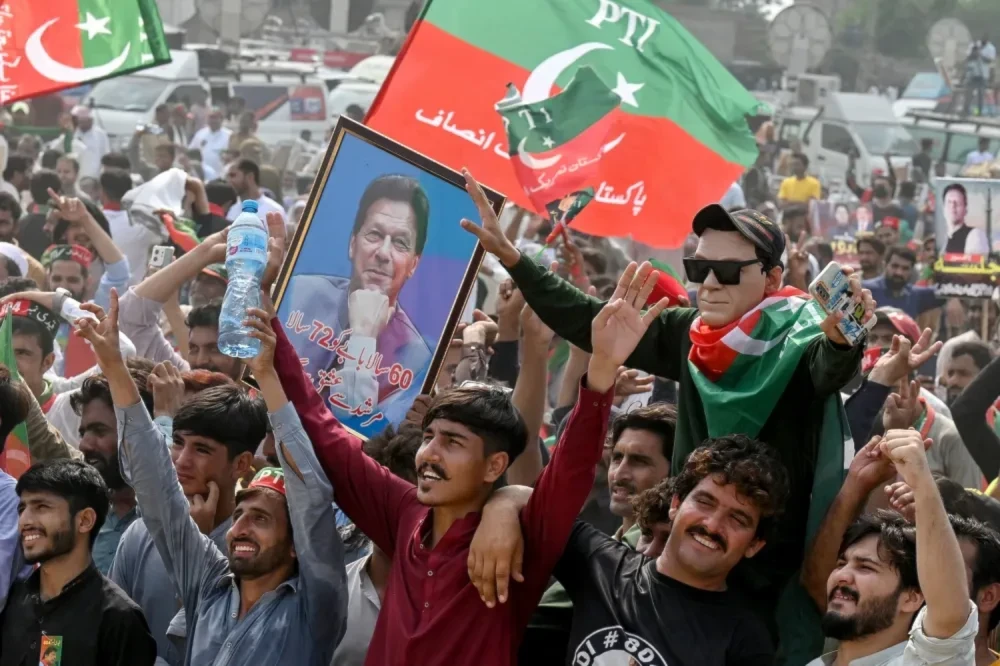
(432, 614)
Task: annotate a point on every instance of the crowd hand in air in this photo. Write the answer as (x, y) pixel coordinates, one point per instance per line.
(869, 469)
(167, 386)
(102, 333)
(537, 335)
(903, 407)
(903, 358)
(259, 322)
(900, 497)
(629, 383)
(490, 234)
(621, 324)
(70, 209)
(829, 325)
(509, 305)
(572, 260)
(908, 452)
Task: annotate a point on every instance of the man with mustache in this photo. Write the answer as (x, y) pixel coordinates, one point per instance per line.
(893, 288)
(280, 596)
(892, 594)
(722, 508)
(387, 241)
(214, 435)
(99, 445)
(432, 614)
(62, 505)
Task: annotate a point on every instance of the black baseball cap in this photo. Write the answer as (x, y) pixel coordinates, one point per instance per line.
(752, 225)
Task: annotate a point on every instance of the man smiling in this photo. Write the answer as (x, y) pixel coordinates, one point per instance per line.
(387, 241)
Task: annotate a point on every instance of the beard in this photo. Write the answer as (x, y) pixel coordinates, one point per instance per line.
(62, 543)
(870, 618)
(894, 283)
(108, 469)
(264, 562)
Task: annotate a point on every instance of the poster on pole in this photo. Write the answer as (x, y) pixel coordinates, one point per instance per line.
(967, 237)
(377, 276)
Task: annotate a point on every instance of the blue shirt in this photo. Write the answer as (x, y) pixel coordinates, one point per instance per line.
(914, 301)
(11, 557)
(107, 539)
(302, 620)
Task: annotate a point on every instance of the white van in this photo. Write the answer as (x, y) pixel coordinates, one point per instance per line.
(848, 123)
(954, 137)
(123, 103)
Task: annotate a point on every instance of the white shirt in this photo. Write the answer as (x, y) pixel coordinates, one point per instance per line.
(9, 189)
(921, 649)
(97, 145)
(211, 144)
(976, 157)
(733, 198)
(976, 242)
(265, 205)
(363, 606)
(134, 240)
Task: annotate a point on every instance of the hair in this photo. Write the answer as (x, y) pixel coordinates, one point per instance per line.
(220, 193)
(206, 316)
(303, 183)
(62, 226)
(652, 506)
(901, 251)
(750, 465)
(72, 160)
(160, 108)
(116, 161)
(801, 157)
(396, 450)
(15, 400)
(40, 183)
(227, 414)
(13, 270)
(897, 544)
(197, 381)
(876, 244)
(957, 187)
(488, 412)
(50, 157)
(14, 285)
(249, 167)
(658, 418)
(977, 349)
(986, 569)
(75, 481)
(11, 205)
(115, 183)
(403, 189)
(908, 189)
(16, 163)
(97, 387)
(926, 142)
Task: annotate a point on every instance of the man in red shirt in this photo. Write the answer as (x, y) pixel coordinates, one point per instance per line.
(432, 614)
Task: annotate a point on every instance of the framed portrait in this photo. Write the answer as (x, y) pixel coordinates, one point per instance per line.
(377, 276)
(967, 238)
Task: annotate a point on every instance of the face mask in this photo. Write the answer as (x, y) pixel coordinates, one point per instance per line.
(881, 191)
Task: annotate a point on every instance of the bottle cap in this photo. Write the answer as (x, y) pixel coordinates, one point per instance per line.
(249, 206)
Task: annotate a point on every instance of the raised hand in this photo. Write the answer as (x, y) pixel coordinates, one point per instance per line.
(798, 262)
(102, 334)
(829, 325)
(908, 452)
(70, 209)
(535, 331)
(167, 386)
(870, 468)
(629, 383)
(276, 249)
(903, 358)
(510, 302)
(490, 235)
(620, 325)
(900, 497)
(203, 509)
(902, 408)
(259, 323)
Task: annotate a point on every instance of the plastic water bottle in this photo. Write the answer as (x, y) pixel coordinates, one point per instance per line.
(246, 257)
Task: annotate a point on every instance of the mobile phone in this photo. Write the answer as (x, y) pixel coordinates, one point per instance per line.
(831, 289)
(161, 256)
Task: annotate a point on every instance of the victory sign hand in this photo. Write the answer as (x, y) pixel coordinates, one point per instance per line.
(103, 333)
(490, 235)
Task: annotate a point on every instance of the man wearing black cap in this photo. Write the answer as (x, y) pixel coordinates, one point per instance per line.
(737, 265)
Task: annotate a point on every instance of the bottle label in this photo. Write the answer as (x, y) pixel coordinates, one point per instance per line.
(247, 245)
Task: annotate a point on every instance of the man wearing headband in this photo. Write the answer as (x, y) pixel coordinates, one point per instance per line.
(68, 267)
(280, 597)
(34, 334)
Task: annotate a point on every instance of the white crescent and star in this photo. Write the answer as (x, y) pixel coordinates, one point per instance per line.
(59, 72)
(542, 79)
(530, 161)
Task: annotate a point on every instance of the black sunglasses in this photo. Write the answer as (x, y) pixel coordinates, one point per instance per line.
(726, 271)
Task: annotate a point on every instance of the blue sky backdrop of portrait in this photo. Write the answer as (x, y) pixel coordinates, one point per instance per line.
(427, 297)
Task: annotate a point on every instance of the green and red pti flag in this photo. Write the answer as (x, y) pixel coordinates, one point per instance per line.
(556, 145)
(14, 457)
(682, 137)
(57, 44)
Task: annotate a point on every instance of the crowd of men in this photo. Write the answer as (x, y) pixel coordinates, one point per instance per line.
(567, 494)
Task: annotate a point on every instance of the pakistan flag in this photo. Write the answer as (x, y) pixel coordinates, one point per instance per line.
(67, 43)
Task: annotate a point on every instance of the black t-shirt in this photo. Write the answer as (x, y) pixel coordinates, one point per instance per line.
(624, 609)
(91, 623)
